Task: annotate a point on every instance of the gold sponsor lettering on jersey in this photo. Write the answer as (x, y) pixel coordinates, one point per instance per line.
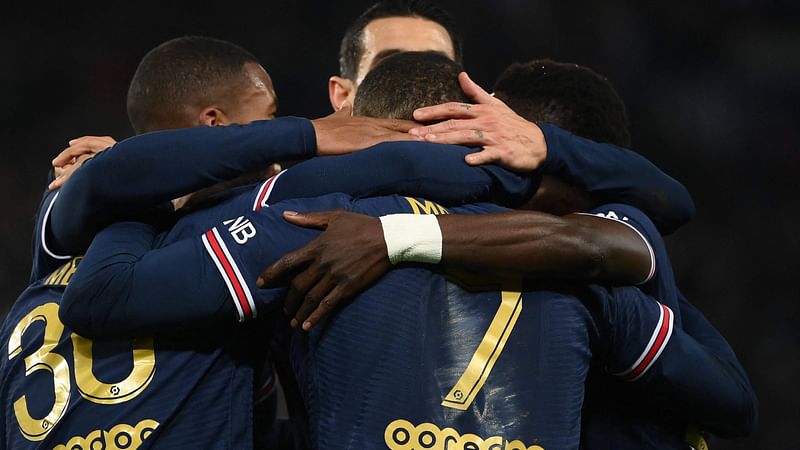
(62, 275)
(122, 436)
(425, 207)
(403, 435)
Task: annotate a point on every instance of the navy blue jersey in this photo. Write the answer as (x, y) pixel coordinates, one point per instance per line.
(445, 341)
(61, 390)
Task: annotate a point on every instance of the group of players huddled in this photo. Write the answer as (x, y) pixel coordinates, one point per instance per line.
(444, 269)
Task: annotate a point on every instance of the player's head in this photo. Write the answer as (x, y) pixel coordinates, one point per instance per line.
(406, 81)
(388, 27)
(194, 80)
(570, 96)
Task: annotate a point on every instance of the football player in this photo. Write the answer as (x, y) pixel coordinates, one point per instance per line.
(231, 237)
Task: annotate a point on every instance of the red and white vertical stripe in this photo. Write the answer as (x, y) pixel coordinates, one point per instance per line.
(262, 198)
(227, 267)
(658, 341)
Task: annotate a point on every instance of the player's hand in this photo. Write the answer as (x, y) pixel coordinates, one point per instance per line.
(348, 257)
(71, 158)
(507, 139)
(341, 132)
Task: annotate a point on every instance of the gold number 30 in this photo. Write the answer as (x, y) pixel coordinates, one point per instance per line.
(90, 387)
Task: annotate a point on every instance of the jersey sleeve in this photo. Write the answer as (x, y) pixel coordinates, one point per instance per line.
(125, 286)
(681, 371)
(434, 171)
(614, 174)
(660, 281)
(43, 258)
(146, 170)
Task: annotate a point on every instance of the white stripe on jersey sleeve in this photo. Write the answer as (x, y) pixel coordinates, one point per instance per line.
(45, 222)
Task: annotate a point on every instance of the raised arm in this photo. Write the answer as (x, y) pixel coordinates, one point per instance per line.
(145, 170)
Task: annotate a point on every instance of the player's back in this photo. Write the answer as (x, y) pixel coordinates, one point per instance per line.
(61, 390)
(419, 362)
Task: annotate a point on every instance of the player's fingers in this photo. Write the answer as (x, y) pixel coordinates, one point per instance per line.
(318, 220)
(325, 307)
(287, 265)
(475, 138)
(312, 300)
(68, 155)
(298, 289)
(82, 146)
(485, 156)
(474, 91)
(63, 175)
(448, 125)
(56, 183)
(104, 139)
(451, 110)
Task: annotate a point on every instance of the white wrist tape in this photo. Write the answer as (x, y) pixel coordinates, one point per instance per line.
(412, 238)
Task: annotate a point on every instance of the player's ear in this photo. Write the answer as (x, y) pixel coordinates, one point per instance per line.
(211, 116)
(340, 90)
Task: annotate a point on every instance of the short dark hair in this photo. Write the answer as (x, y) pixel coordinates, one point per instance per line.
(181, 73)
(406, 81)
(352, 47)
(570, 96)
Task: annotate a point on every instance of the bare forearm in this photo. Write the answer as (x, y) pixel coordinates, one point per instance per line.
(538, 245)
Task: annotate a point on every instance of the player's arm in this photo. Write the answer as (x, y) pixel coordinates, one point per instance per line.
(145, 170)
(690, 372)
(125, 285)
(356, 250)
(726, 404)
(608, 172)
(436, 172)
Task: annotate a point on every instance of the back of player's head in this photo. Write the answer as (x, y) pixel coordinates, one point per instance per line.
(406, 81)
(570, 96)
(352, 46)
(180, 75)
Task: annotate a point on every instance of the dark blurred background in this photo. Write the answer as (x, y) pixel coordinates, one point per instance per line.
(712, 91)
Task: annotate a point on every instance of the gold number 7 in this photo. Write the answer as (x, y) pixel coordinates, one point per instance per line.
(480, 366)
